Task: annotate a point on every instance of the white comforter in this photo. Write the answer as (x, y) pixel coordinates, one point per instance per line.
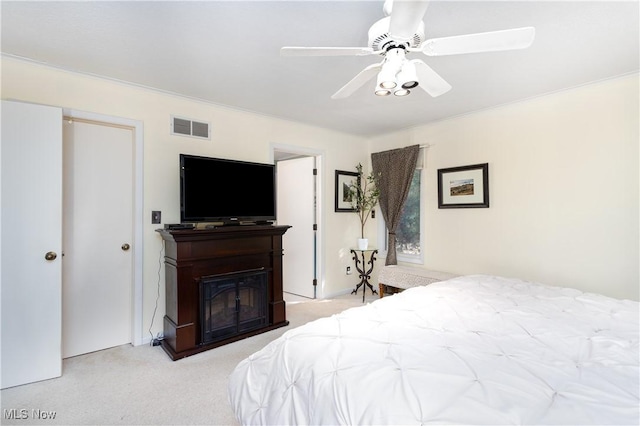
(472, 350)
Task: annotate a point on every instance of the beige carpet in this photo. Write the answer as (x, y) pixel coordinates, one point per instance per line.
(141, 385)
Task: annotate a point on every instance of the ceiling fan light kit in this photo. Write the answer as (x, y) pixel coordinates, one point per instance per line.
(397, 72)
(402, 33)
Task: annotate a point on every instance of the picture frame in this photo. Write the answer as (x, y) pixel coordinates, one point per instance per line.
(464, 187)
(343, 180)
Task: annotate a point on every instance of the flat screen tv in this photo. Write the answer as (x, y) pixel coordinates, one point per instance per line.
(227, 191)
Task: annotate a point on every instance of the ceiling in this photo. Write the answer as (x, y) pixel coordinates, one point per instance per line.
(227, 52)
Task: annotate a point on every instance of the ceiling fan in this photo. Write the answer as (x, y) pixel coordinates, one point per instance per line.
(400, 33)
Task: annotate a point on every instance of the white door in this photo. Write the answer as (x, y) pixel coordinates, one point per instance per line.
(30, 288)
(98, 235)
(296, 207)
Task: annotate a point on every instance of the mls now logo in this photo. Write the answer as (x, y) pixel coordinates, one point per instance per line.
(23, 414)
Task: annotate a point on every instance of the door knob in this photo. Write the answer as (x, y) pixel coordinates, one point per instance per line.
(125, 247)
(50, 255)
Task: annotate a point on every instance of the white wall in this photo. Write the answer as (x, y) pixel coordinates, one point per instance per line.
(585, 139)
(236, 134)
(564, 189)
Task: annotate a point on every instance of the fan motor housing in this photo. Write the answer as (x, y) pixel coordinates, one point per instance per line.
(381, 40)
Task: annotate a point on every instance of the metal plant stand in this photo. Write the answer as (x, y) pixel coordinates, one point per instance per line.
(364, 273)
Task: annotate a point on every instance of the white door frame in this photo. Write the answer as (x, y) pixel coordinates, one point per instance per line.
(319, 155)
(138, 242)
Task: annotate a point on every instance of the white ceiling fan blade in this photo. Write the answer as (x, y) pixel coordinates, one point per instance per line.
(358, 81)
(406, 16)
(326, 51)
(429, 80)
(517, 38)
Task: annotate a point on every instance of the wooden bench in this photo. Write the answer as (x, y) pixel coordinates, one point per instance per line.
(394, 278)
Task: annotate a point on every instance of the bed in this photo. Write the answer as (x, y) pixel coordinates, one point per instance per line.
(470, 350)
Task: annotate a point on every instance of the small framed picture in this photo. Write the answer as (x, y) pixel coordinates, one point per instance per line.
(463, 187)
(343, 196)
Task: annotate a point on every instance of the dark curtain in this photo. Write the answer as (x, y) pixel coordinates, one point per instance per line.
(394, 170)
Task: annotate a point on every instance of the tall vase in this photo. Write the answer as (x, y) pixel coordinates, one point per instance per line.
(363, 243)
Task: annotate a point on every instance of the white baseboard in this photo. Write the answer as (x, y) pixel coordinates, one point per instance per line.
(339, 293)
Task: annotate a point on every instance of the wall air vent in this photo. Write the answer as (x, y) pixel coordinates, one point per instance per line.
(187, 127)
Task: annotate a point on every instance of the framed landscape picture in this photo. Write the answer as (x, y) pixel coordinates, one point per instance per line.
(343, 195)
(463, 187)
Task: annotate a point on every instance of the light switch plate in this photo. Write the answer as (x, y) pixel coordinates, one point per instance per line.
(156, 216)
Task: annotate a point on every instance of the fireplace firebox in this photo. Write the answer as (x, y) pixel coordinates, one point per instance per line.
(231, 304)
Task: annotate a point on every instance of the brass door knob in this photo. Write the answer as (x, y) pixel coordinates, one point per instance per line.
(125, 247)
(50, 255)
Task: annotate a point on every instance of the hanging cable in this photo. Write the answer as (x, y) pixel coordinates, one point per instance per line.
(154, 341)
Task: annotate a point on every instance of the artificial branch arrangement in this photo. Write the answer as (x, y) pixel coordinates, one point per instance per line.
(364, 196)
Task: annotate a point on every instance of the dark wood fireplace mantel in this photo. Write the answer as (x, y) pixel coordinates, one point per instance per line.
(194, 255)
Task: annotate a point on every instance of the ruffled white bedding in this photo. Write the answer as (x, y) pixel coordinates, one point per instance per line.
(471, 350)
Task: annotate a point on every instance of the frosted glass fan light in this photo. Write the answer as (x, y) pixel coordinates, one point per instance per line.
(386, 77)
(407, 78)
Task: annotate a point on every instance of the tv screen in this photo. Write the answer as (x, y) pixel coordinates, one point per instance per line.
(219, 190)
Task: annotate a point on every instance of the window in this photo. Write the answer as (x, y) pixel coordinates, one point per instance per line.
(408, 231)
(408, 235)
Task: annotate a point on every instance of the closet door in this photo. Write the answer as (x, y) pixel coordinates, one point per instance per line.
(31, 249)
(97, 274)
